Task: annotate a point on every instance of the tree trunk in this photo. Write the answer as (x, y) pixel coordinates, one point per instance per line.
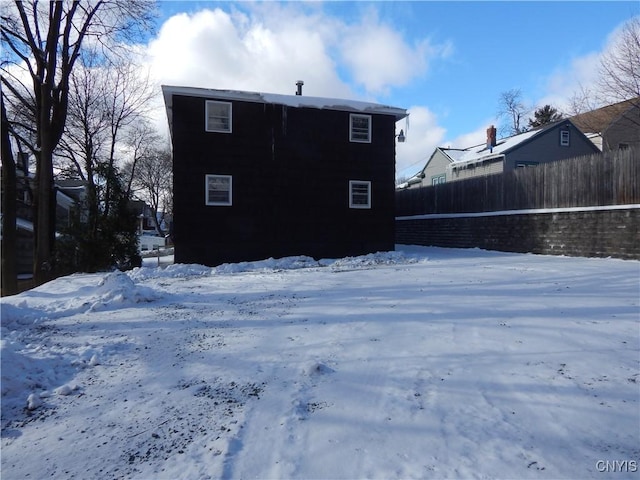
(44, 224)
(9, 231)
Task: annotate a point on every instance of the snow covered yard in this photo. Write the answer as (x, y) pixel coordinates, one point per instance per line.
(420, 363)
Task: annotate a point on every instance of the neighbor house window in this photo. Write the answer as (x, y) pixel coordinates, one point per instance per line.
(438, 179)
(218, 117)
(564, 138)
(360, 128)
(526, 164)
(359, 194)
(218, 190)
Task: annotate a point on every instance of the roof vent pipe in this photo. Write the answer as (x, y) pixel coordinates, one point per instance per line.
(299, 84)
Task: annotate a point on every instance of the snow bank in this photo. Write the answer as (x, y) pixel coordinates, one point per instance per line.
(371, 260)
(117, 290)
(270, 264)
(180, 270)
(299, 262)
(72, 295)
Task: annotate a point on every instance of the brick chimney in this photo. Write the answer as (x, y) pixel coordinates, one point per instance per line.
(491, 137)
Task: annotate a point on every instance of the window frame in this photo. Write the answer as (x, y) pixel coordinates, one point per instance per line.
(565, 137)
(352, 116)
(361, 206)
(210, 203)
(206, 117)
(438, 179)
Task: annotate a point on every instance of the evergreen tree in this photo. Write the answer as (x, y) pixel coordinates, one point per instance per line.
(544, 116)
(111, 241)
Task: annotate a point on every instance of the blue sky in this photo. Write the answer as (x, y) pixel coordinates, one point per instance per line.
(447, 62)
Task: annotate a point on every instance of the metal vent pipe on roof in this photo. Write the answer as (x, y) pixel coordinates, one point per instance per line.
(299, 84)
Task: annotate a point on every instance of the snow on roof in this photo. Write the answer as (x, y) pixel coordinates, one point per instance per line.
(453, 153)
(297, 101)
(482, 152)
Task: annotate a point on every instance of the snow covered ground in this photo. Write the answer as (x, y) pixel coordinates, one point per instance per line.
(419, 363)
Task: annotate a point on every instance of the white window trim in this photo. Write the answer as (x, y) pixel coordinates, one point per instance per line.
(206, 191)
(357, 140)
(206, 117)
(565, 138)
(353, 183)
(438, 179)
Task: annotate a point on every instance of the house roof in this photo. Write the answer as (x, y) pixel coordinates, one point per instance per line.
(71, 188)
(298, 101)
(598, 120)
(505, 145)
(481, 153)
(454, 154)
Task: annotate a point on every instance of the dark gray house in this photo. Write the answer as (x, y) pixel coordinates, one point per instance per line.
(262, 175)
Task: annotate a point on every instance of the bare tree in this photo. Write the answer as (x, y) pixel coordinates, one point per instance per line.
(128, 103)
(104, 103)
(619, 69)
(512, 107)
(150, 173)
(46, 38)
(582, 100)
(618, 76)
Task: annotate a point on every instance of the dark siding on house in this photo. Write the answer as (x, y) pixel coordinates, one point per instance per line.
(624, 130)
(291, 169)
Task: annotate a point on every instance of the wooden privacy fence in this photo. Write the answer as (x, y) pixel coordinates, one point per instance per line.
(603, 179)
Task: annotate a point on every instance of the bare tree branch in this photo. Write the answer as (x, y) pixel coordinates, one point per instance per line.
(512, 107)
(50, 62)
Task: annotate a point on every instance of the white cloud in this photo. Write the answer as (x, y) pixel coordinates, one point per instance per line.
(563, 83)
(216, 49)
(378, 57)
(270, 46)
(580, 74)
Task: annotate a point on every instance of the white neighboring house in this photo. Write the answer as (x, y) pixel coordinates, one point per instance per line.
(435, 170)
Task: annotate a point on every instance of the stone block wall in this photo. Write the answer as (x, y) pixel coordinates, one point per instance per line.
(597, 232)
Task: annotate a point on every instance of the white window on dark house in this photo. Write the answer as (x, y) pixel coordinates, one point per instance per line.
(218, 190)
(359, 194)
(218, 117)
(564, 138)
(360, 128)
